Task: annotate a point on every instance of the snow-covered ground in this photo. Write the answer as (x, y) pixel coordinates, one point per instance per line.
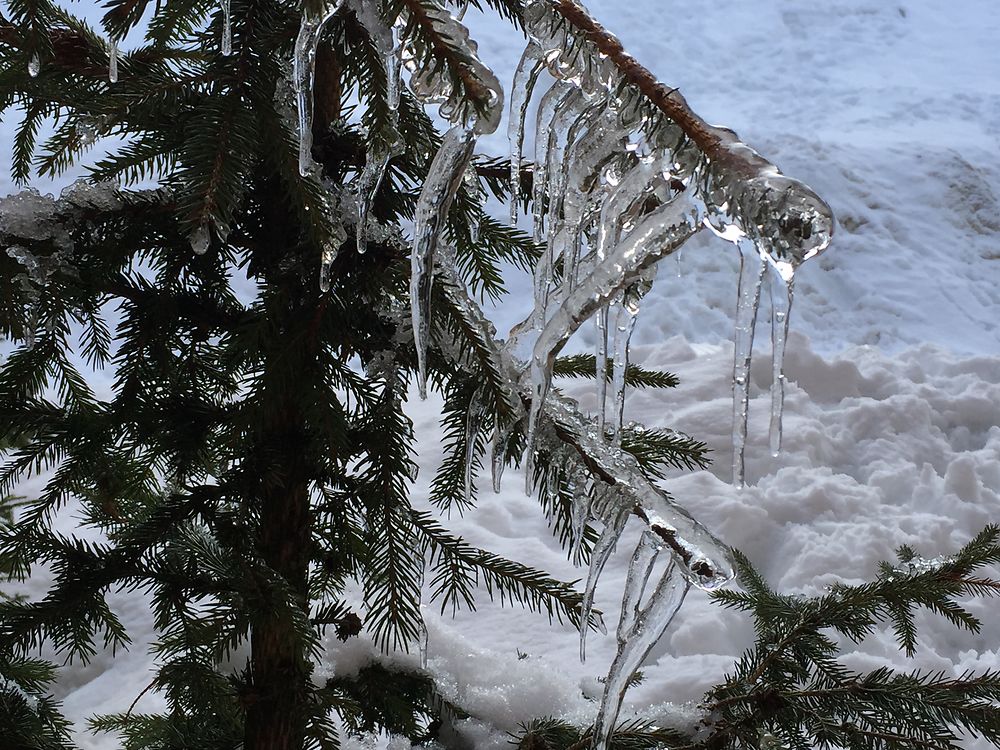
(891, 111)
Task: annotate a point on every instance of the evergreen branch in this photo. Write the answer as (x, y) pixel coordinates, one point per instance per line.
(460, 567)
(585, 366)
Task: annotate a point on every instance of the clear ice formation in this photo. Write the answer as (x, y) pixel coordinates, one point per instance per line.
(34, 65)
(525, 77)
(781, 305)
(304, 75)
(645, 626)
(113, 61)
(378, 153)
(227, 28)
(616, 190)
(752, 270)
(439, 188)
(479, 105)
(473, 428)
(200, 239)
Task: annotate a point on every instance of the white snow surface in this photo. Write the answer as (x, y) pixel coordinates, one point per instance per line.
(891, 112)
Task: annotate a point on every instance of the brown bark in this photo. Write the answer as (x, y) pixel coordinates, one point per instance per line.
(276, 716)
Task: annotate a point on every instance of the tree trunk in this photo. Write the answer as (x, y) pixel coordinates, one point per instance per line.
(276, 716)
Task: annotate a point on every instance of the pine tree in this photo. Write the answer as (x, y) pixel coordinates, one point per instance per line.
(262, 316)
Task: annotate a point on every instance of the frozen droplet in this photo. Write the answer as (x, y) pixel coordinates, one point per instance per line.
(200, 239)
(34, 65)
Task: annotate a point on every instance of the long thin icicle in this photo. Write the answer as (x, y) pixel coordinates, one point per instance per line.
(113, 61)
(628, 312)
(639, 568)
(614, 523)
(647, 628)
(782, 289)
(377, 155)
(473, 426)
(752, 271)
(443, 180)
(304, 74)
(227, 28)
(546, 111)
(525, 77)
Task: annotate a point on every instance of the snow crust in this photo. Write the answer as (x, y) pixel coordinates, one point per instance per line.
(891, 112)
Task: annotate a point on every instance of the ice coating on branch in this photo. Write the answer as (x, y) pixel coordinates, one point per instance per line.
(443, 180)
(113, 61)
(705, 561)
(34, 65)
(328, 255)
(478, 103)
(227, 28)
(752, 271)
(647, 626)
(304, 75)
(655, 236)
(368, 184)
(525, 77)
(781, 304)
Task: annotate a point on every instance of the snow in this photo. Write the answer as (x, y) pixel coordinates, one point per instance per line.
(891, 112)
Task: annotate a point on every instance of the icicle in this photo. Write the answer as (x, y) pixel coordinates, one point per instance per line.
(614, 523)
(601, 321)
(377, 156)
(34, 65)
(525, 77)
(368, 185)
(781, 303)
(628, 311)
(579, 513)
(393, 67)
(546, 111)
(569, 110)
(422, 643)
(328, 256)
(473, 425)
(752, 271)
(113, 61)
(639, 569)
(443, 179)
(657, 234)
(227, 28)
(498, 453)
(200, 239)
(633, 645)
(304, 71)
(677, 263)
